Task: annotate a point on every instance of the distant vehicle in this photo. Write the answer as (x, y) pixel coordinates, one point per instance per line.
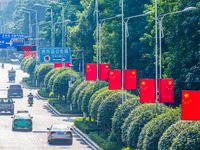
(15, 90)
(22, 120)
(59, 132)
(21, 57)
(7, 104)
(11, 75)
(30, 99)
(16, 55)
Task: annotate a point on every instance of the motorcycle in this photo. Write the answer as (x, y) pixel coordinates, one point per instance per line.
(30, 100)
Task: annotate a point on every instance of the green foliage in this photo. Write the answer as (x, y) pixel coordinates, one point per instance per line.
(30, 67)
(88, 94)
(96, 138)
(94, 96)
(24, 62)
(107, 108)
(188, 139)
(107, 145)
(77, 91)
(153, 130)
(81, 94)
(172, 132)
(42, 92)
(48, 76)
(121, 114)
(98, 100)
(72, 88)
(42, 71)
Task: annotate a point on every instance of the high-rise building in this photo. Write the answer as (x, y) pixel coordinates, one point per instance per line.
(3, 4)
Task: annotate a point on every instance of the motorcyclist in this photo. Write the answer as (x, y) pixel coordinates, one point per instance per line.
(30, 97)
(12, 68)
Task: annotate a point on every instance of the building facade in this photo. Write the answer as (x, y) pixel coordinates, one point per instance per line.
(3, 4)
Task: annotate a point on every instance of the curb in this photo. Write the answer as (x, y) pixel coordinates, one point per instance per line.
(42, 98)
(27, 86)
(95, 146)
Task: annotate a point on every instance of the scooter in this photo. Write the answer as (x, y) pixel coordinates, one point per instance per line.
(30, 101)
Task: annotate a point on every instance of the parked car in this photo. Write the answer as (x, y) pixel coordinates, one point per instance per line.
(22, 120)
(21, 57)
(15, 90)
(59, 132)
(7, 105)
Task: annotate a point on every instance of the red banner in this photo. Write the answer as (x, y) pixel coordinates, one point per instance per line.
(67, 64)
(91, 72)
(166, 90)
(190, 105)
(57, 65)
(26, 53)
(147, 91)
(130, 79)
(115, 79)
(103, 71)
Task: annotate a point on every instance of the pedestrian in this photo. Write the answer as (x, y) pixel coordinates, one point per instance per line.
(2, 65)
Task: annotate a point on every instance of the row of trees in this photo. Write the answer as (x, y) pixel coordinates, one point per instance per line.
(180, 57)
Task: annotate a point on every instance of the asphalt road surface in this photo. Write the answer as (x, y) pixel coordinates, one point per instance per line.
(42, 119)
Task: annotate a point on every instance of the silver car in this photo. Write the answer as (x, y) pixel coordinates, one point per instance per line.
(59, 132)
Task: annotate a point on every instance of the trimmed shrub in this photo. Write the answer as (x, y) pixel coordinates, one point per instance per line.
(94, 96)
(30, 67)
(23, 62)
(107, 145)
(121, 114)
(138, 123)
(72, 88)
(188, 139)
(98, 100)
(43, 70)
(89, 92)
(172, 132)
(153, 130)
(134, 114)
(96, 138)
(48, 76)
(53, 76)
(77, 91)
(81, 94)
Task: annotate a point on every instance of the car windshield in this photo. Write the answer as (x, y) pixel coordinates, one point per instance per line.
(8, 101)
(60, 128)
(15, 86)
(22, 116)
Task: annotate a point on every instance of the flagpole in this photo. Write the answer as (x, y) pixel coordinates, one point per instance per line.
(156, 47)
(97, 17)
(122, 5)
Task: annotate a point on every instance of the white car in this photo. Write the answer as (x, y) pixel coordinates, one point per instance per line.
(59, 132)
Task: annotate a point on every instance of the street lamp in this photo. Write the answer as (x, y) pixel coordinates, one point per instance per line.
(52, 34)
(97, 17)
(126, 36)
(100, 32)
(161, 34)
(30, 30)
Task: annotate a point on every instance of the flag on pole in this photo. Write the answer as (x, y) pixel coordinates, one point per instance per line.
(115, 80)
(91, 72)
(57, 65)
(130, 79)
(166, 90)
(147, 91)
(103, 71)
(67, 64)
(26, 53)
(190, 105)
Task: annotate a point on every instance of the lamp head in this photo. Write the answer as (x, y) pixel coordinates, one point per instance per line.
(189, 8)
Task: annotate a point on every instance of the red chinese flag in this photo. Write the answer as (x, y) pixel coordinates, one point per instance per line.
(67, 64)
(147, 91)
(166, 90)
(103, 71)
(130, 79)
(26, 53)
(115, 79)
(190, 105)
(91, 72)
(57, 65)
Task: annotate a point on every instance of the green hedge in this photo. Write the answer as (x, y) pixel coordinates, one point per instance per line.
(97, 101)
(48, 76)
(121, 114)
(89, 92)
(23, 62)
(188, 139)
(72, 88)
(107, 109)
(81, 94)
(77, 91)
(43, 92)
(172, 132)
(153, 130)
(96, 138)
(94, 96)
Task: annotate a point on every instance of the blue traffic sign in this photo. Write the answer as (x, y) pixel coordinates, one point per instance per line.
(54, 55)
(11, 41)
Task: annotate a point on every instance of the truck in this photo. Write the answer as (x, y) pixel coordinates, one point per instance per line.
(7, 105)
(11, 75)
(15, 90)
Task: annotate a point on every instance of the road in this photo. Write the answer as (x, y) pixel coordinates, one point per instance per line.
(42, 119)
